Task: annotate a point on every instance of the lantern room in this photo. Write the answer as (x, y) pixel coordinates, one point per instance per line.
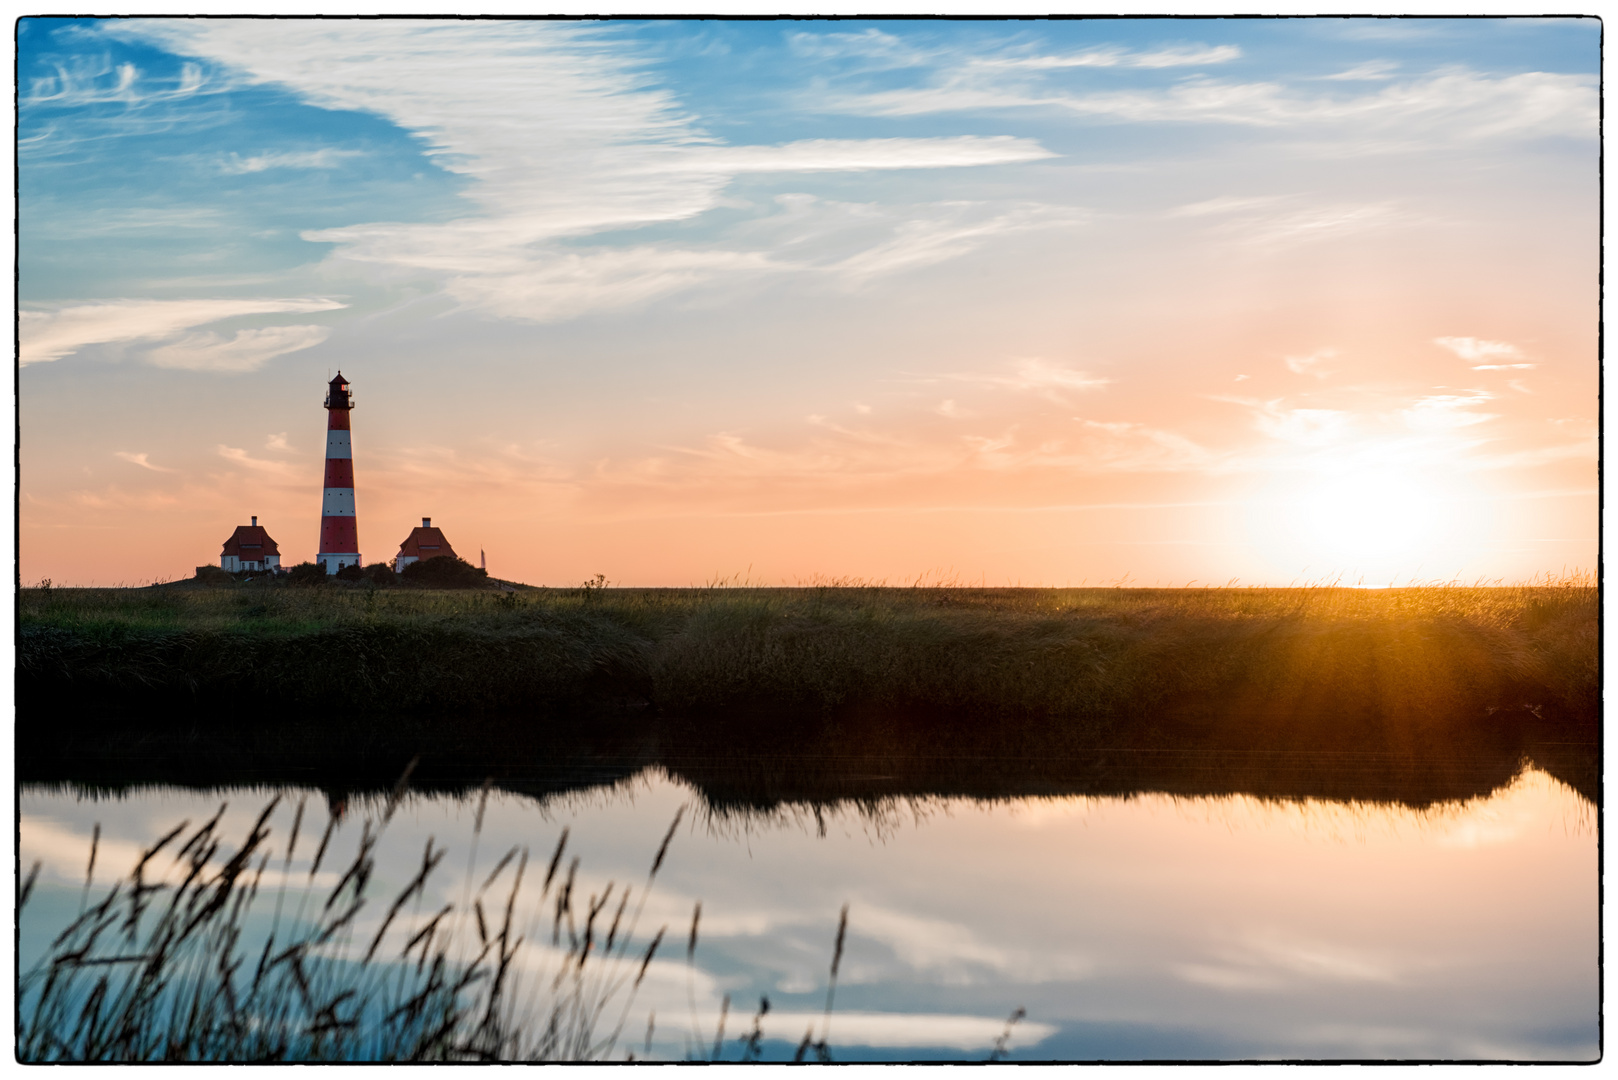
(337, 396)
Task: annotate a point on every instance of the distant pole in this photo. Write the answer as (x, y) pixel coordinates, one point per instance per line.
(339, 530)
(483, 560)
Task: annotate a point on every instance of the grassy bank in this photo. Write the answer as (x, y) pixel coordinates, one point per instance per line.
(1085, 656)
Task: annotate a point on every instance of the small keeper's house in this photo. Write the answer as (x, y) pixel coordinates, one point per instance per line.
(250, 548)
(424, 542)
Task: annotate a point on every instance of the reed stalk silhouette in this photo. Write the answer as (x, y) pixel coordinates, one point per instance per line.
(157, 969)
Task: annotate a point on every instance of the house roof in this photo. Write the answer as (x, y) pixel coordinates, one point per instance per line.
(425, 542)
(254, 539)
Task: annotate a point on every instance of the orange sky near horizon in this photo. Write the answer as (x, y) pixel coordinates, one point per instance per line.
(1153, 303)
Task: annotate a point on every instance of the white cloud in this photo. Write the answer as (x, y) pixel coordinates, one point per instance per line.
(564, 136)
(239, 456)
(1279, 221)
(1476, 349)
(1299, 427)
(1371, 70)
(815, 155)
(948, 230)
(52, 334)
(139, 459)
(247, 351)
(90, 80)
(1449, 105)
(882, 50)
(86, 100)
(564, 284)
(1037, 374)
(868, 44)
(1113, 56)
(1442, 412)
(1126, 446)
(324, 158)
(278, 442)
(1226, 204)
(1310, 365)
(1040, 376)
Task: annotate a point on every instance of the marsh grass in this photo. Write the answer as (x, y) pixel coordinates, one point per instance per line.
(1081, 654)
(164, 966)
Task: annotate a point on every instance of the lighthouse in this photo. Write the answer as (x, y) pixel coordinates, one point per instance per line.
(339, 533)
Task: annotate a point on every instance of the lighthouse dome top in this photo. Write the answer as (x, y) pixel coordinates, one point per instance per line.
(337, 393)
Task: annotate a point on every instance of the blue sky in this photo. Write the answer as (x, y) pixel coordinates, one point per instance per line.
(594, 273)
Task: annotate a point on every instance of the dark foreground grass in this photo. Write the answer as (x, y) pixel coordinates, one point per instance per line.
(1081, 656)
(165, 967)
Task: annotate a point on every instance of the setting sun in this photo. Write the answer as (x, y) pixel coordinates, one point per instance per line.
(1368, 527)
(1373, 517)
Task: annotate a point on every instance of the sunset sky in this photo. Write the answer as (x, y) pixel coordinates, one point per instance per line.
(1040, 303)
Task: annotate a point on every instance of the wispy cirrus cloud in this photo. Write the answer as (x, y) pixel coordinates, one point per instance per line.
(1397, 432)
(1310, 364)
(1039, 376)
(562, 284)
(935, 234)
(327, 157)
(87, 99)
(876, 48)
(238, 456)
(92, 80)
(1115, 56)
(1486, 355)
(1272, 222)
(1442, 412)
(1454, 104)
(248, 350)
(605, 151)
(1370, 71)
(51, 334)
(141, 460)
(846, 245)
(825, 155)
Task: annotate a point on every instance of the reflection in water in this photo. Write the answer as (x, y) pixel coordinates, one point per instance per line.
(755, 761)
(1151, 925)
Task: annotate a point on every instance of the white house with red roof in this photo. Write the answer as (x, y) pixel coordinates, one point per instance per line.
(424, 542)
(250, 548)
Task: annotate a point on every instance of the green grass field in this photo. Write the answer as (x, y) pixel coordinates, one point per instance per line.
(1081, 654)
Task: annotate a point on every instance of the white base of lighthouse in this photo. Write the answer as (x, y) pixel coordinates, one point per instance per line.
(334, 562)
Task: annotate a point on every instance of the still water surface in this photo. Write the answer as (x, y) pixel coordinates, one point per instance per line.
(1146, 927)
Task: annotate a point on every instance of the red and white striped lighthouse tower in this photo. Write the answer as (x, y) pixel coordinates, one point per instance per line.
(339, 533)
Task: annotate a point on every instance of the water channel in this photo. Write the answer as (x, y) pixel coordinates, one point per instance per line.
(1134, 924)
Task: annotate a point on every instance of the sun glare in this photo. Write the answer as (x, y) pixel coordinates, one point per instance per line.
(1370, 527)
(1367, 517)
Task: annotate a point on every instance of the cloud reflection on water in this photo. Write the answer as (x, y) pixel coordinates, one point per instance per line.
(1151, 926)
